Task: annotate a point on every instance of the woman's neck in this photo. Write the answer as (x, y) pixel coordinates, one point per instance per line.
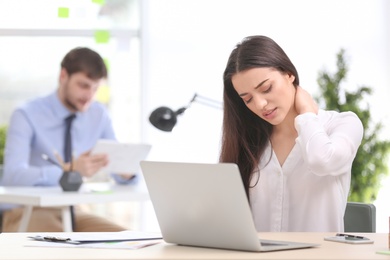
(287, 127)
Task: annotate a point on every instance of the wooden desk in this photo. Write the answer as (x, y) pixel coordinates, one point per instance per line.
(13, 247)
(31, 197)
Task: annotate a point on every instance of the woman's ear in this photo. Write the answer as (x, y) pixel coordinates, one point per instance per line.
(291, 77)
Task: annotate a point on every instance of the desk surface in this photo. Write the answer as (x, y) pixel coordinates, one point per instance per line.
(88, 193)
(30, 197)
(13, 247)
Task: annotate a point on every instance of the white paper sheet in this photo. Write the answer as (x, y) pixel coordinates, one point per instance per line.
(99, 236)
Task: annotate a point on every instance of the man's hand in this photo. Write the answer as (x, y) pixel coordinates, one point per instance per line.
(126, 176)
(304, 103)
(88, 164)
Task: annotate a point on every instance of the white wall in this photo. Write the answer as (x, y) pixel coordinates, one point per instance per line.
(187, 43)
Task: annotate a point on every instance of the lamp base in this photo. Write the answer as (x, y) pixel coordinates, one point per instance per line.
(71, 181)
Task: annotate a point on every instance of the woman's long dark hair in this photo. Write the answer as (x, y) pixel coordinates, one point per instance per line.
(244, 134)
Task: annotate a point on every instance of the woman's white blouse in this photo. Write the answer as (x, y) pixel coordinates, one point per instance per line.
(309, 191)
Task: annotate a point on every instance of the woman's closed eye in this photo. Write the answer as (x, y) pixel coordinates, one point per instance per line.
(268, 89)
(247, 101)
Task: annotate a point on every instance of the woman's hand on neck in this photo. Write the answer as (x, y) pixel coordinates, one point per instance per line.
(304, 103)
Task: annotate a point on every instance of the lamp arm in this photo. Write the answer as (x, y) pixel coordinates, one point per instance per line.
(181, 110)
(206, 101)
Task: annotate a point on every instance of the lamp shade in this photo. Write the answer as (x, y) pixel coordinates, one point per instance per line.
(163, 118)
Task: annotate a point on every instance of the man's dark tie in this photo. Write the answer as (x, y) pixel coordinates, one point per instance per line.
(68, 155)
(68, 139)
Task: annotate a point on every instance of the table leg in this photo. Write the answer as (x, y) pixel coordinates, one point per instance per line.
(142, 215)
(66, 219)
(25, 219)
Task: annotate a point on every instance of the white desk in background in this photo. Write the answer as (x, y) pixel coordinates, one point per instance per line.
(16, 246)
(89, 193)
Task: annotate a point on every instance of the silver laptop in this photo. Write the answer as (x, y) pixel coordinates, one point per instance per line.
(205, 205)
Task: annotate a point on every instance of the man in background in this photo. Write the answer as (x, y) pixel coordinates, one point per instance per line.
(36, 136)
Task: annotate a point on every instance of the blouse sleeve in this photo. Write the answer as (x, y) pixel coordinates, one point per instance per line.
(329, 147)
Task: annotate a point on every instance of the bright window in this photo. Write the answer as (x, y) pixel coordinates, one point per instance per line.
(35, 36)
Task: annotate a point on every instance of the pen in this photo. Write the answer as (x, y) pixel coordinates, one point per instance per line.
(47, 158)
(55, 239)
(348, 236)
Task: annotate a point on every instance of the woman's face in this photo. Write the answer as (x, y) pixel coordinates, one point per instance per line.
(267, 92)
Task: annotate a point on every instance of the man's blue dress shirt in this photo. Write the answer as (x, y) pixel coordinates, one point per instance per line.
(37, 128)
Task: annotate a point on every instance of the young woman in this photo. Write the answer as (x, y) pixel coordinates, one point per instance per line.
(295, 159)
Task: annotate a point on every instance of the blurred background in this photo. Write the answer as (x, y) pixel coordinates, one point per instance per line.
(162, 52)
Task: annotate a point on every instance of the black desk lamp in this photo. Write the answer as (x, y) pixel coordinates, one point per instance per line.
(165, 118)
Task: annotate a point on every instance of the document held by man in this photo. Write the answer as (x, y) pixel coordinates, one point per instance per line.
(123, 157)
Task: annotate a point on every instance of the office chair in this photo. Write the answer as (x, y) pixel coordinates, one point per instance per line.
(360, 217)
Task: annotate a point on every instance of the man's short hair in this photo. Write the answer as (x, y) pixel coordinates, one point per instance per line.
(82, 59)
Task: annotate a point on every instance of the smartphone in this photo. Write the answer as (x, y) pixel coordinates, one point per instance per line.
(349, 239)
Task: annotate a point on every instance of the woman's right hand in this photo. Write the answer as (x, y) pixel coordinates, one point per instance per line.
(304, 102)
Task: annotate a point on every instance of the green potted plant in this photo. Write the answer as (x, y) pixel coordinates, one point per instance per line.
(370, 165)
(3, 133)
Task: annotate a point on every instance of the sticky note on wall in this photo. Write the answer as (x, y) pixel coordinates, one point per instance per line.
(107, 63)
(103, 94)
(63, 12)
(102, 36)
(99, 2)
